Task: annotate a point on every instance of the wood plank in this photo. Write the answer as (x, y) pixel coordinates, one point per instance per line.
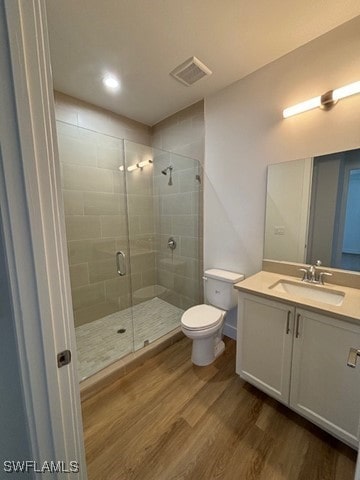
(169, 419)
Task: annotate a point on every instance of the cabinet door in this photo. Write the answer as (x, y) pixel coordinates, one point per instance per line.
(264, 344)
(323, 388)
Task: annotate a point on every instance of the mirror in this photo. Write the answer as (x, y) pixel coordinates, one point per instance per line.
(313, 211)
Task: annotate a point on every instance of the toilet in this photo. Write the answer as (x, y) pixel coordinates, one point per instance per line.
(204, 323)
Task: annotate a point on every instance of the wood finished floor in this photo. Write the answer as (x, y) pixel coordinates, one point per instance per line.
(171, 420)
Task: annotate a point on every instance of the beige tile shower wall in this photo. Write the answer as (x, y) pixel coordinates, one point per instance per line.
(178, 217)
(76, 112)
(180, 206)
(95, 207)
(182, 133)
(95, 218)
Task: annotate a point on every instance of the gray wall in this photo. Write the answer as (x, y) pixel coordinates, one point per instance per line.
(323, 208)
(14, 439)
(14, 433)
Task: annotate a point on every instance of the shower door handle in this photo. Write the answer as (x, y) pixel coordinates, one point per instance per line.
(119, 270)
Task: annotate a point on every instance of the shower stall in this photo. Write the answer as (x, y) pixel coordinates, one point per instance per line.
(133, 218)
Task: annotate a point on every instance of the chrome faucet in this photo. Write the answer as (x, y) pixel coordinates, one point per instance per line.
(312, 275)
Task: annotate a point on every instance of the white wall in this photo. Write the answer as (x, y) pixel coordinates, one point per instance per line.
(287, 206)
(245, 132)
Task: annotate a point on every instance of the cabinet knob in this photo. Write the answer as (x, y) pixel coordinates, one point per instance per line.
(352, 358)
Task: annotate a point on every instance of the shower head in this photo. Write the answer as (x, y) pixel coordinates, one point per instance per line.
(164, 172)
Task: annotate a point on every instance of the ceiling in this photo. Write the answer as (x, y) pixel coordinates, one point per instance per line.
(141, 41)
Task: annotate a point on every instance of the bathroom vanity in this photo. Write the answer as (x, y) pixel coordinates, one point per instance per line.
(293, 342)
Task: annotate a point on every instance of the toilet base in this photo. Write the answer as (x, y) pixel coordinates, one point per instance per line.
(219, 348)
(204, 352)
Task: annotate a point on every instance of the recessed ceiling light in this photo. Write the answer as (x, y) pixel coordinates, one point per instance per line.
(111, 82)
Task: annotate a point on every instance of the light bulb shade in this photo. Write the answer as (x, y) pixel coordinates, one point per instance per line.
(302, 107)
(132, 167)
(145, 163)
(346, 91)
(326, 101)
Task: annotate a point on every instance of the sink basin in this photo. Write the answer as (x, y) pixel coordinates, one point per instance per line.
(309, 291)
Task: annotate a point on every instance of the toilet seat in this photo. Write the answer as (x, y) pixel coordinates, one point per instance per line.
(201, 317)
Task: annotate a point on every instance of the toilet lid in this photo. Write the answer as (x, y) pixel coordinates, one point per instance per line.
(201, 317)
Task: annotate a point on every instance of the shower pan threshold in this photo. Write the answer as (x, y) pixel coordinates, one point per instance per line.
(108, 375)
(105, 340)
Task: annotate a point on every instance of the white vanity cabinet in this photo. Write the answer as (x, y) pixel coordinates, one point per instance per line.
(265, 332)
(323, 388)
(300, 358)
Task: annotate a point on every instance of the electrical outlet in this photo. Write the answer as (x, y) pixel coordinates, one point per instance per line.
(279, 230)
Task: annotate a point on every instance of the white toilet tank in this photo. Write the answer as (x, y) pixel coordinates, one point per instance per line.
(219, 288)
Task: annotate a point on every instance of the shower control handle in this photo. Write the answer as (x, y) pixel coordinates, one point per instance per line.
(120, 271)
(171, 243)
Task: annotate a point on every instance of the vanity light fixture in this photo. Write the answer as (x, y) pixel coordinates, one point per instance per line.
(145, 163)
(142, 164)
(131, 168)
(325, 101)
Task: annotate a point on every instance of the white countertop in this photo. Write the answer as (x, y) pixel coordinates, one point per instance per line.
(260, 283)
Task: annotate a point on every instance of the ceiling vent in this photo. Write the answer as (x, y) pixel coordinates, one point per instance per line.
(190, 71)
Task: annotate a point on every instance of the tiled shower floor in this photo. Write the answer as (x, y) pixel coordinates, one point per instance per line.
(99, 344)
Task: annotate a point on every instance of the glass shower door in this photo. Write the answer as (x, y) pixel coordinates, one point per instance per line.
(95, 204)
(140, 200)
(164, 211)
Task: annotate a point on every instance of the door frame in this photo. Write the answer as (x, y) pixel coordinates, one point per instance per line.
(33, 220)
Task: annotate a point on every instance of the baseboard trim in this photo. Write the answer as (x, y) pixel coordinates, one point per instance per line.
(230, 331)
